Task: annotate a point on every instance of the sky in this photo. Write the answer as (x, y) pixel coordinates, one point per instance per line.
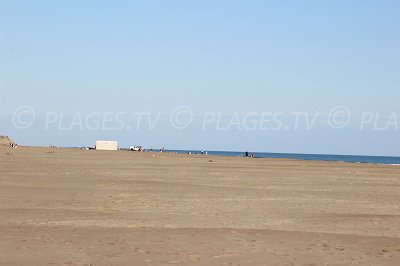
(227, 64)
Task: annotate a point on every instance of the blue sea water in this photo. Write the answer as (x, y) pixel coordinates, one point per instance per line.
(316, 157)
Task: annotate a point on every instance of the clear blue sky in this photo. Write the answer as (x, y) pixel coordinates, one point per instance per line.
(221, 56)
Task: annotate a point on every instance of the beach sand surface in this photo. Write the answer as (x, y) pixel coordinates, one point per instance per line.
(81, 207)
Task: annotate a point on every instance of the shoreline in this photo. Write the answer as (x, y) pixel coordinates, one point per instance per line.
(173, 152)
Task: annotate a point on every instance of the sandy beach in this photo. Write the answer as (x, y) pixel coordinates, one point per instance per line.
(79, 207)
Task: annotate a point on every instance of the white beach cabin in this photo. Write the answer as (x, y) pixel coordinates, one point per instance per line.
(107, 145)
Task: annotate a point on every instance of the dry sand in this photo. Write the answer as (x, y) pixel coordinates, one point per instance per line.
(77, 207)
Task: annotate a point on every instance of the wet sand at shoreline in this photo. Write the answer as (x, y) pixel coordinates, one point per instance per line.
(78, 207)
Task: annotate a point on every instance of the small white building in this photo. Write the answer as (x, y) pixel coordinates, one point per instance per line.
(107, 145)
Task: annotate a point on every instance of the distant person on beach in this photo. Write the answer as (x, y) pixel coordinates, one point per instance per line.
(246, 154)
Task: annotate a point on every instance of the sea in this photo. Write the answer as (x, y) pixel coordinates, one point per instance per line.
(388, 160)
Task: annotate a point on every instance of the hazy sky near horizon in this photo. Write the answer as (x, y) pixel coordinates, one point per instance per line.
(212, 56)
